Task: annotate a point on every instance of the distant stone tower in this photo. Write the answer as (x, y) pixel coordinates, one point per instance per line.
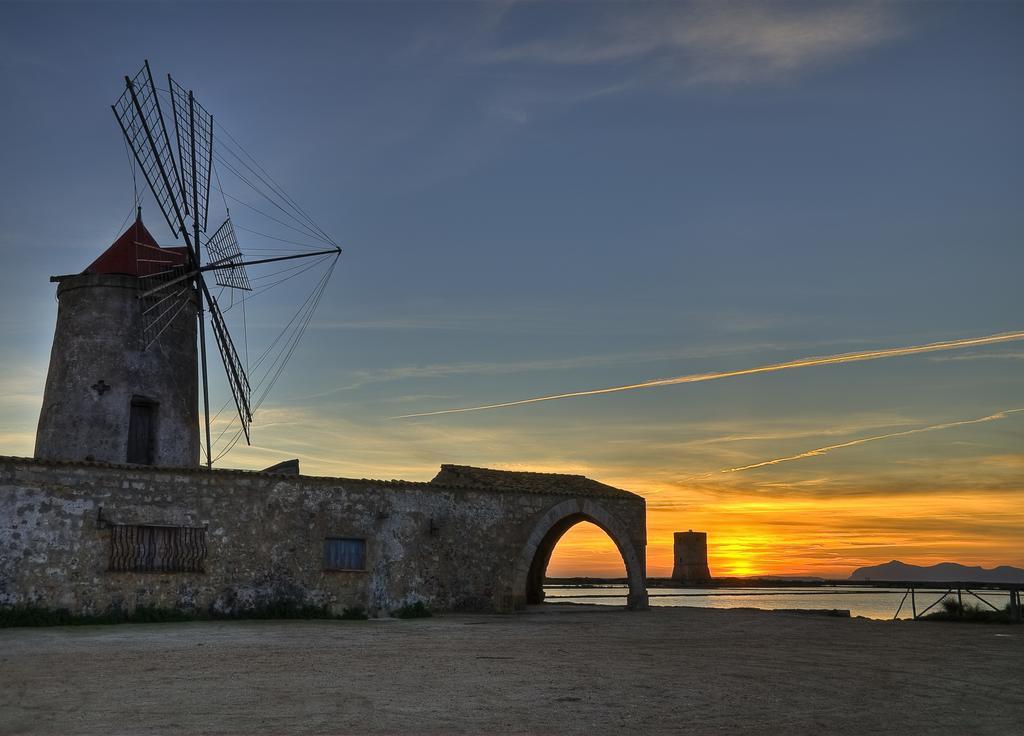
(106, 398)
(691, 557)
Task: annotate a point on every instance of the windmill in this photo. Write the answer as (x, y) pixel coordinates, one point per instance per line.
(179, 178)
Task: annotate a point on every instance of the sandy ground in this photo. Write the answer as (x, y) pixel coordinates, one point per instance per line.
(553, 670)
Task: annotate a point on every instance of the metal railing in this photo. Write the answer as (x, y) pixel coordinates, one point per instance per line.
(151, 548)
(1016, 610)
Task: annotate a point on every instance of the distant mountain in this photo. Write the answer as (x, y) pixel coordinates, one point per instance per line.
(943, 572)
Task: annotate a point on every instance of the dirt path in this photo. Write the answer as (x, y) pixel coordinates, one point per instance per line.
(552, 671)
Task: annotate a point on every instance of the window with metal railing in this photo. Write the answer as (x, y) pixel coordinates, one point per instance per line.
(152, 548)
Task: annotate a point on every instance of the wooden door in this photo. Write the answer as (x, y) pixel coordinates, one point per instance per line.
(141, 428)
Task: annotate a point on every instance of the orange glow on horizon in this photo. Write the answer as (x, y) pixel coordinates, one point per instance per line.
(586, 550)
(815, 537)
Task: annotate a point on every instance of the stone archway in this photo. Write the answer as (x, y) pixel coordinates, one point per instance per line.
(551, 526)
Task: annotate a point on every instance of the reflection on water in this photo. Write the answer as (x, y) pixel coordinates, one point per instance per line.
(868, 602)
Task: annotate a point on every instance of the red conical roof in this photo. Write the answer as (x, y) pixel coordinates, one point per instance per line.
(136, 253)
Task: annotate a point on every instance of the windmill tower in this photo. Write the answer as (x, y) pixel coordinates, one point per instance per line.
(107, 398)
(129, 355)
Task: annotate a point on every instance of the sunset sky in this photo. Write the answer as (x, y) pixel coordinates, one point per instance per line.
(548, 198)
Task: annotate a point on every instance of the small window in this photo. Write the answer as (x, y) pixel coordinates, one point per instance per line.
(138, 548)
(344, 554)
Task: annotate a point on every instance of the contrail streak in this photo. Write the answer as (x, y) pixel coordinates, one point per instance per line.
(876, 438)
(969, 342)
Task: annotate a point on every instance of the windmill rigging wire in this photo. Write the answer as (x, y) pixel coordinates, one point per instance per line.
(272, 185)
(276, 340)
(271, 346)
(304, 227)
(220, 188)
(320, 286)
(309, 226)
(286, 269)
(304, 315)
(282, 193)
(120, 228)
(309, 317)
(245, 336)
(308, 308)
(278, 354)
(258, 210)
(135, 192)
(284, 330)
(135, 181)
(297, 213)
(227, 210)
(301, 270)
(268, 287)
(278, 250)
(274, 237)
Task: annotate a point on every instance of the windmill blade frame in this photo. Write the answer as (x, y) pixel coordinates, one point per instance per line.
(166, 288)
(237, 378)
(142, 122)
(161, 308)
(193, 129)
(222, 249)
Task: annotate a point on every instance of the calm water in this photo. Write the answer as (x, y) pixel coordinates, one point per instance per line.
(868, 602)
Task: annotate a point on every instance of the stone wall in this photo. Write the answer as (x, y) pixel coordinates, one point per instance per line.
(452, 545)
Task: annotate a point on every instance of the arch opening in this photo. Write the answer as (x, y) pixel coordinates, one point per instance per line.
(542, 557)
(586, 551)
(547, 529)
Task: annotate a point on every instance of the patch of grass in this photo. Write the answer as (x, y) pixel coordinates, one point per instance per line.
(276, 610)
(953, 610)
(356, 613)
(39, 616)
(154, 615)
(413, 610)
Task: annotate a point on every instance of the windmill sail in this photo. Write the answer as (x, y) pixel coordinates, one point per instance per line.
(138, 112)
(222, 250)
(237, 380)
(180, 182)
(166, 285)
(193, 128)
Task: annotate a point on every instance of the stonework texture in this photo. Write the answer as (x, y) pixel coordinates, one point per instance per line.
(465, 541)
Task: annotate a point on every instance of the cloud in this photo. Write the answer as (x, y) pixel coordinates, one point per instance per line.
(481, 368)
(977, 356)
(475, 322)
(840, 358)
(802, 431)
(876, 438)
(721, 42)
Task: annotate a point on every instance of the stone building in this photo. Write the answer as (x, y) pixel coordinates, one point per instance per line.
(691, 558)
(114, 511)
(90, 536)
